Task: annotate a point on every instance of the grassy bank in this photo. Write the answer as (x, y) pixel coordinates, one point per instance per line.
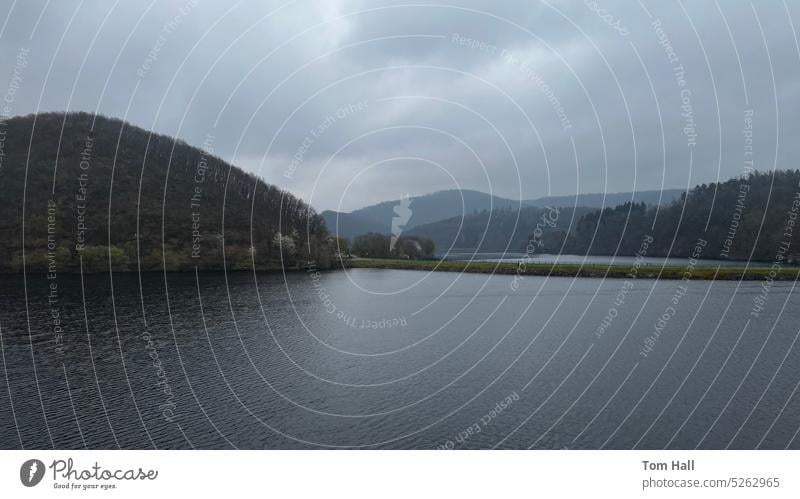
(577, 270)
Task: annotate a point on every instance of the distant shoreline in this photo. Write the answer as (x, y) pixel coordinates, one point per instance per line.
(594, 270)
(614, 271)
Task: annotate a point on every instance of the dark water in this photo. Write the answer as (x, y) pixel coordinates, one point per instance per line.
(396, 359)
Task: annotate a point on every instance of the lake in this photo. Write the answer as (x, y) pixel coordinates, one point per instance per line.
(396, 359)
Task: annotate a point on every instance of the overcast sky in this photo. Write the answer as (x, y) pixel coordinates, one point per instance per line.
(347, 103)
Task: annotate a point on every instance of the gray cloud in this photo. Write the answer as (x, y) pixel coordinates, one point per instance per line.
(401, 104)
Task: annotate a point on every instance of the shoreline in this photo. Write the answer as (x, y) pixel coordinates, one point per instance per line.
(590, 270)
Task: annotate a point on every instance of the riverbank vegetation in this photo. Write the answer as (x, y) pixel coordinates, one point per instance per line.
(578, 270)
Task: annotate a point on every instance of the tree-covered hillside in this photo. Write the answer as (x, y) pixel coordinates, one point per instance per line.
(116, 195)
(429, 208)
(742, 218)
(502, 230)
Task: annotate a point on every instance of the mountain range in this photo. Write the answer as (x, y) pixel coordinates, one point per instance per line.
(448, 204)
(87, 192)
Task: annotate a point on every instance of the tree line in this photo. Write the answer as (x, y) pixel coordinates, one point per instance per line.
(748, 217)
(375, 245)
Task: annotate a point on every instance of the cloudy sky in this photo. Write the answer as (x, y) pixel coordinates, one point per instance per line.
(347, 103)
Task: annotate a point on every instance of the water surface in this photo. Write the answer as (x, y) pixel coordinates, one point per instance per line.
(396, 359)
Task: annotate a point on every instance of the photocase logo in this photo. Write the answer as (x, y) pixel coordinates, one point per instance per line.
(402, 214)
(31, 472)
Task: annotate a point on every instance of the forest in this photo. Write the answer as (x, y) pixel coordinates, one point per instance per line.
(504, 229)
(748, 217)
(80, 190)
(375, 245)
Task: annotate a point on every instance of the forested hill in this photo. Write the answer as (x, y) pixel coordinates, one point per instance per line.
(136, 200)
(502, 230)
(742, 218)
(425, 209)
(443, 207)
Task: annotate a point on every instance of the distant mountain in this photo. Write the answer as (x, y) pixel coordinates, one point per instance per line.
(502, 230)
(423, 210)
(444, 205)
(741, 218)
(350, 225)
(102, 193)
(600, 200)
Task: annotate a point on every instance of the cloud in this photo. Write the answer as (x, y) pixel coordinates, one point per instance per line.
(542, 98)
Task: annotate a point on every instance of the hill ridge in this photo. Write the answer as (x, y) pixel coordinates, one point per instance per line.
(207, 203)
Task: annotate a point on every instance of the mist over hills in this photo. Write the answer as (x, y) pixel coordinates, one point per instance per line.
(504, 230)
(424, 209)
(444, 205)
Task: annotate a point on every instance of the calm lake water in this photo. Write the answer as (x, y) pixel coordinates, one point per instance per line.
(396, 359)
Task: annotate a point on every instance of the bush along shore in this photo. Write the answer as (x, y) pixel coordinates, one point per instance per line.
(577, 270)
